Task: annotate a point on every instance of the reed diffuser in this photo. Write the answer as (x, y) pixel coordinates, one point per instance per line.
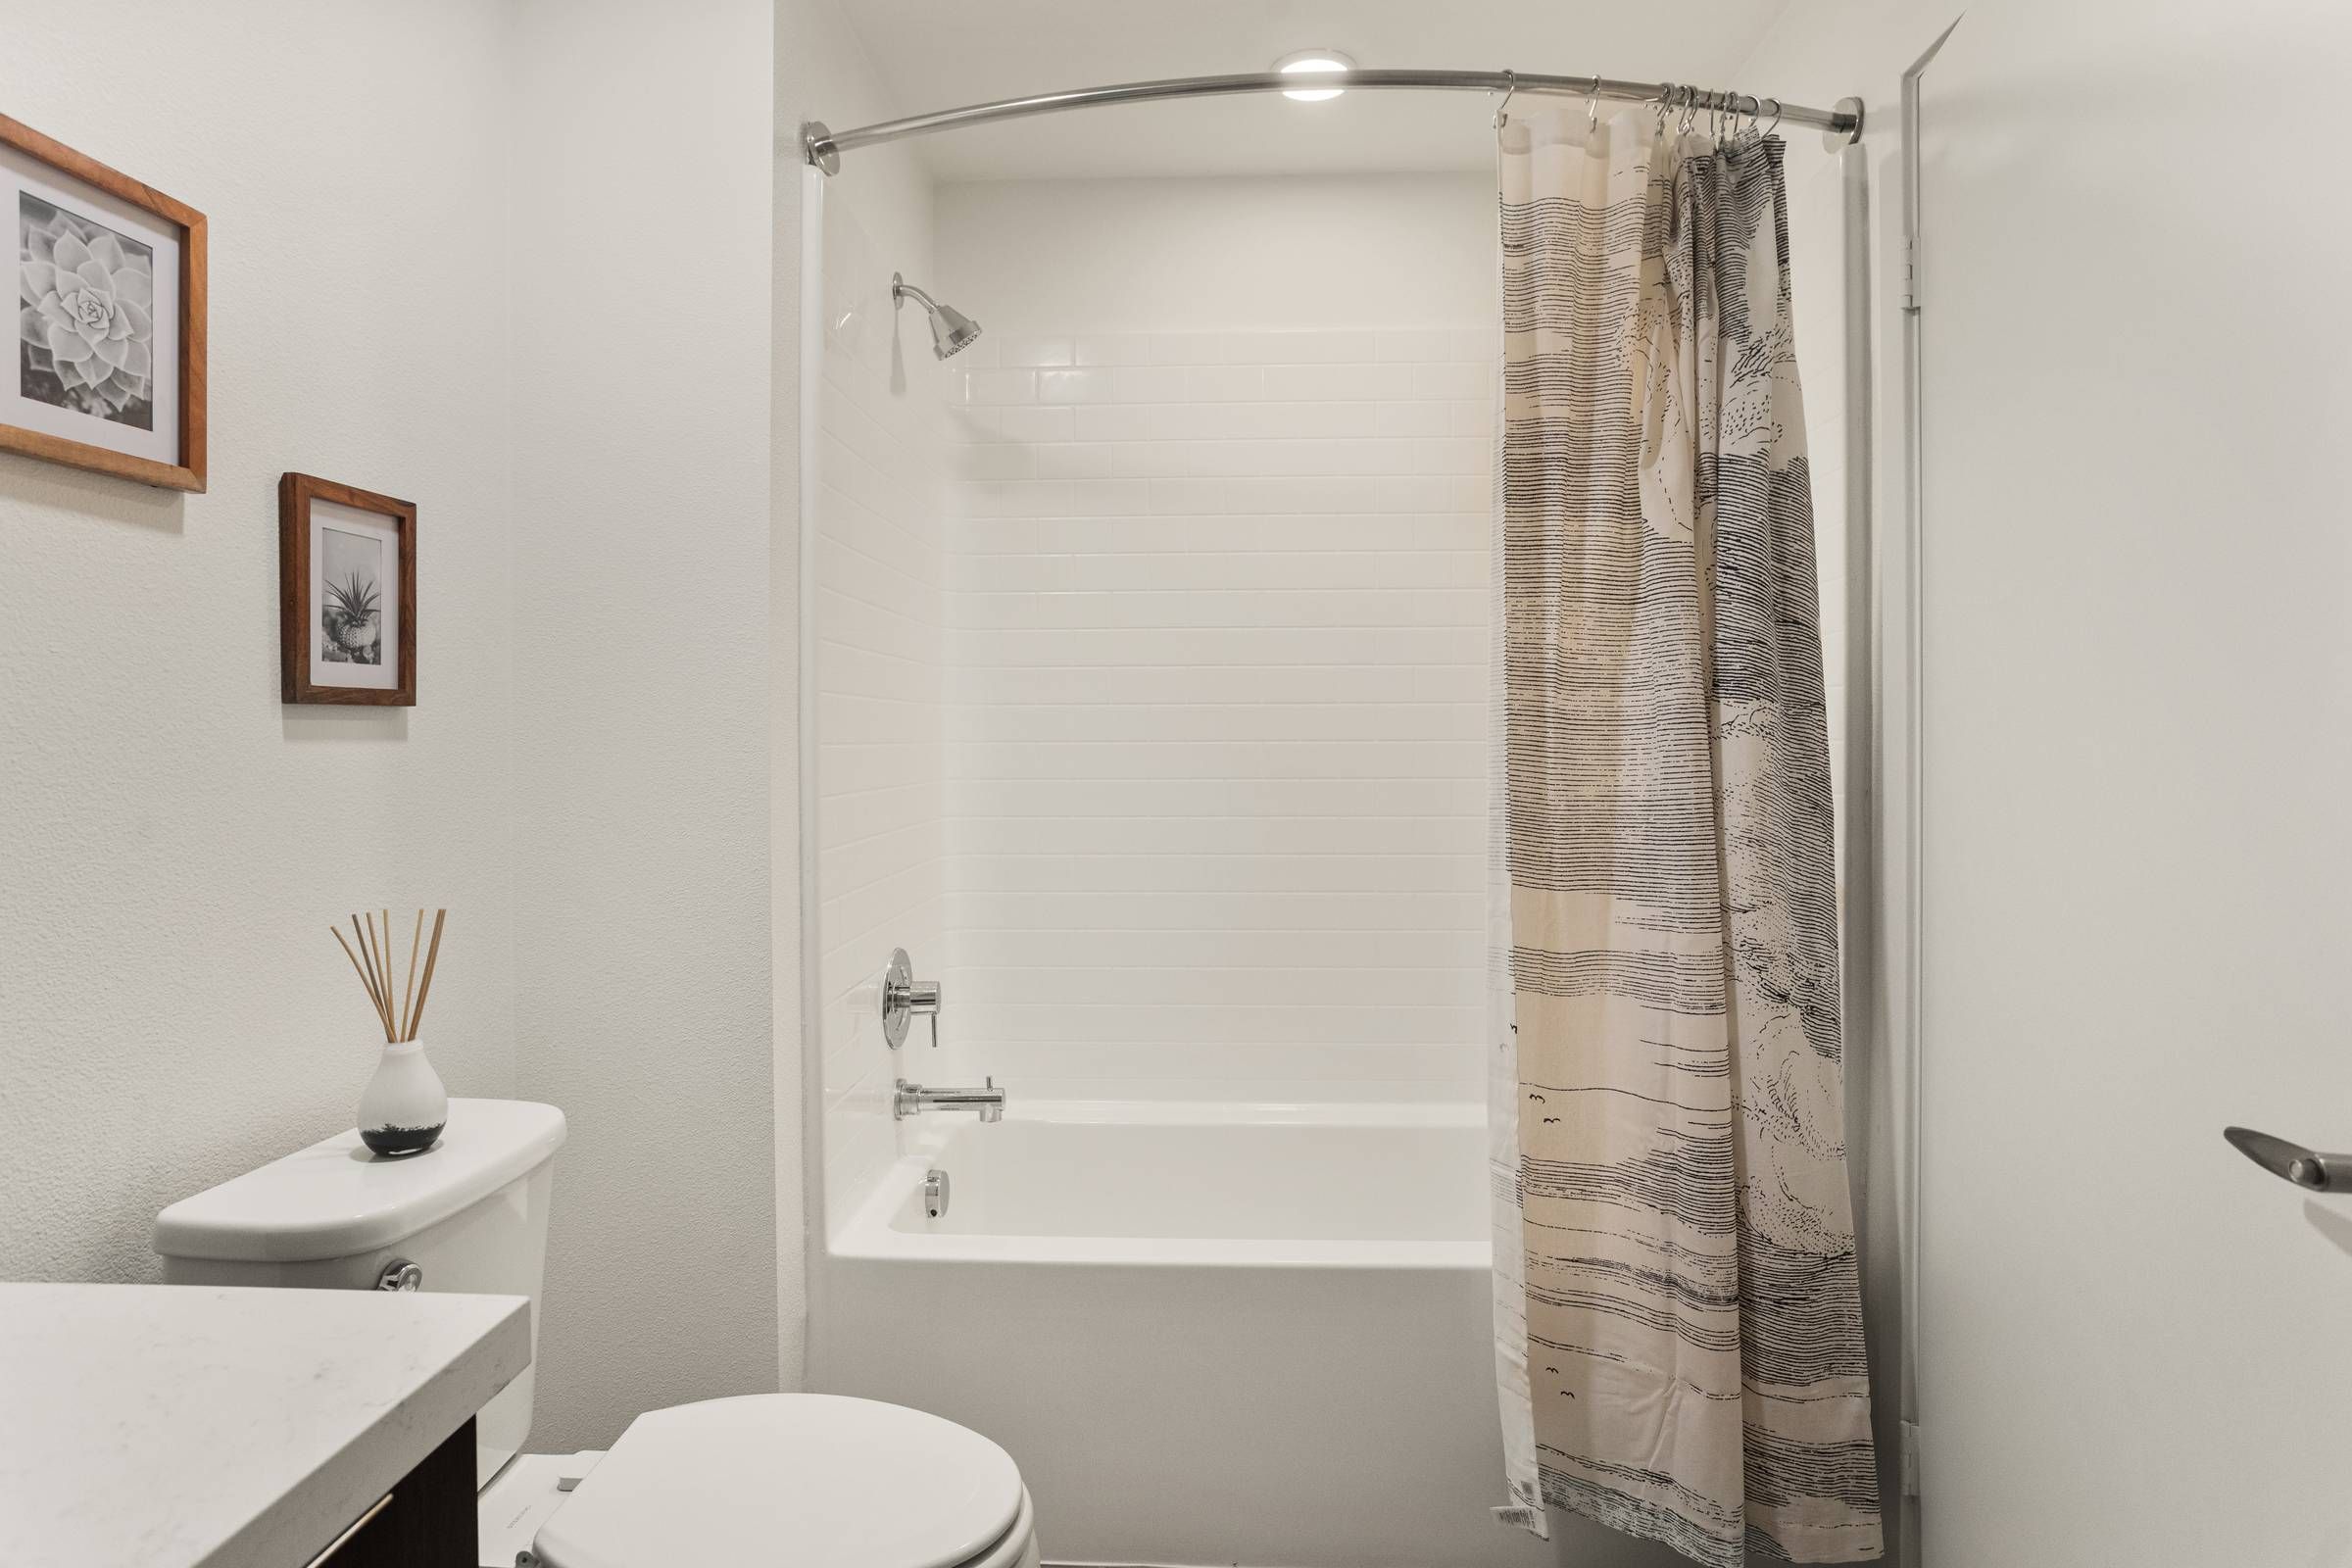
(404, 1107)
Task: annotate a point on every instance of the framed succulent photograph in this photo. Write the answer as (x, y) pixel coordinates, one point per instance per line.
(347, 594)
(110, 317)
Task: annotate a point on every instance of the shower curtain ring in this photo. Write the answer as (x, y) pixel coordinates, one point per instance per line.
(1593, 109)
(1510, 87)
(1665, 98)
(1776, 115)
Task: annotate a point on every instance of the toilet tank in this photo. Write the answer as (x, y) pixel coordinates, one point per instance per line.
(471, 1212)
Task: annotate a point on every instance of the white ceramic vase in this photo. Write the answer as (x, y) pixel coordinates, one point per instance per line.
(404, 1106)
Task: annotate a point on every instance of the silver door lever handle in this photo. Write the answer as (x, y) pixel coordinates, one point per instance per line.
(2306, 1168)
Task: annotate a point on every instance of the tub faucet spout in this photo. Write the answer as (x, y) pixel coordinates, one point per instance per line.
(911, 1099)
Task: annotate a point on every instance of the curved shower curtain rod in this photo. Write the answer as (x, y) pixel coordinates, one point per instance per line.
(823, 146)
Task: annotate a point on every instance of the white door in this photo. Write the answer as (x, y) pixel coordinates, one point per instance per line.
(2136, 368)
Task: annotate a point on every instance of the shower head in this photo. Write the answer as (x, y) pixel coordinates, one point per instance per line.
(950, 329)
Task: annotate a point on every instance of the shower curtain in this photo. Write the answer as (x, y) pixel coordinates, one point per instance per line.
(1678, 1317)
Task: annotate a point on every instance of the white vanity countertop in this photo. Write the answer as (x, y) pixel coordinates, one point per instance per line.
(173, 1426)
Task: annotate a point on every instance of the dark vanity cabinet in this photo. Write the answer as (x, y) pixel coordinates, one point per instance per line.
(427, 1521)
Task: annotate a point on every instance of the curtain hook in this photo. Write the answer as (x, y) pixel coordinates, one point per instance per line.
(1776, 115)
(1510, 87)
(1665, 96)
(1593, 109)
(1689, 113)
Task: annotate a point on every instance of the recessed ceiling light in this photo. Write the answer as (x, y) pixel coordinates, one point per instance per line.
(1314, 62)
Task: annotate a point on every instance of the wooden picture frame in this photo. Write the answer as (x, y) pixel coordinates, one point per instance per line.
(347, 567)
(110, 372)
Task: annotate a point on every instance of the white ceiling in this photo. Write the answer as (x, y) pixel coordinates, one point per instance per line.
(936, 54)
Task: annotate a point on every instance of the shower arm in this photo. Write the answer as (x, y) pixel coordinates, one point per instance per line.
(823, 146)
(900, 288)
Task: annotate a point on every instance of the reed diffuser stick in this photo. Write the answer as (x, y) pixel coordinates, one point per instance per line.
(408, 1006)
(375, 987)
(432, 955)
(365, 930)
(337, 934)
(383, 972)
(366, 962)
(378, 934)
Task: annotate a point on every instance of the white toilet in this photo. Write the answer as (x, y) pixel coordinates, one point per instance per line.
(761, 1478)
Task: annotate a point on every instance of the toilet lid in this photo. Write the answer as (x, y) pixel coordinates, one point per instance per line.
(787, 1479)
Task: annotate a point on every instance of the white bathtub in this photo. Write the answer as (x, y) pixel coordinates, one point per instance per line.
(1209, 1334)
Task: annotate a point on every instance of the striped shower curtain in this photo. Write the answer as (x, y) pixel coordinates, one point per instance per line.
(1678, 1318)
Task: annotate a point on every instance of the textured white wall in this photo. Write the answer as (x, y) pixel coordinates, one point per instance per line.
(1216, 714)
(173, 842)
(430, 239)
(641, 297)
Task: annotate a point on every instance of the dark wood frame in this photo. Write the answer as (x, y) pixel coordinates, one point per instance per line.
(297, 616)
(189, 472)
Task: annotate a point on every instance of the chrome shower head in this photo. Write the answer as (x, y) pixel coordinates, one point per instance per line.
(950, 329)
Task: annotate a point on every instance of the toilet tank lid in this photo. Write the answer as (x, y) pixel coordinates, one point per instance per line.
(335, 1199)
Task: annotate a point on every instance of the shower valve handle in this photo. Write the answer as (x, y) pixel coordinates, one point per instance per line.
(2306, 1168)
(904, 997)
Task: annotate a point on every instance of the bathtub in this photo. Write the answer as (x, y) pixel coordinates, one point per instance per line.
(1209, 1334)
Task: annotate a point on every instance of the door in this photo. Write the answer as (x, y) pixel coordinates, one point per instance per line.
(2136, 370)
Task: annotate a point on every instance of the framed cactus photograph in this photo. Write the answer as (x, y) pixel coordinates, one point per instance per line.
(347, 594)
(110, 372)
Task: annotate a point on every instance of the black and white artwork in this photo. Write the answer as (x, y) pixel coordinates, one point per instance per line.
(85, 319)
(353, 605)
(351, 614)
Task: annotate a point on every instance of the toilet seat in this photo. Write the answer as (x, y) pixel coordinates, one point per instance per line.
(1018, 1548)
(793, 1479)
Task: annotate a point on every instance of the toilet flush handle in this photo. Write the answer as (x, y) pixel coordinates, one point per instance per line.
(401, 1275)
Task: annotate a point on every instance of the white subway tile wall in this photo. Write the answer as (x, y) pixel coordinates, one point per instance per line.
(880, 766)
(1214, 709)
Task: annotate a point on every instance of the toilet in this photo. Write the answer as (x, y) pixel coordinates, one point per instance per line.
(759, 1478)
